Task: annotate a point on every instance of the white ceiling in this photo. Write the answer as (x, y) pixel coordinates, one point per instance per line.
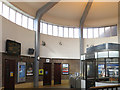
(69, 13)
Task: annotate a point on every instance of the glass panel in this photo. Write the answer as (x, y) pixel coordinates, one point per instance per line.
(55, 31)
(113, 53)
(5, 11)
(24, 21)
(70, 32)
(85, 33)
(0, 8)
(30, 23)
(44, 28)
(60, 31)
(103, 54)
(18, 18)
(41, 27)
(113, 30)
(96, 35)
(112, 69)
(65, 32)
(107, 31)
(49, 29)
(12, 15)
(90, 32)
(76, 32)
(101, 68)
(101, 32)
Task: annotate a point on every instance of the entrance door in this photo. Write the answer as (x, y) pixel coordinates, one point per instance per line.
(57, 73)
(9, 79)
(47, 74)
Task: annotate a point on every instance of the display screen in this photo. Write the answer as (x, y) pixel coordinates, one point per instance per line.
(13, 47)
(65, 68)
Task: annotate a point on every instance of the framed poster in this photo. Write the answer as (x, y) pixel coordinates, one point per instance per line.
(65, 69)
(21, 72)
(29, 69)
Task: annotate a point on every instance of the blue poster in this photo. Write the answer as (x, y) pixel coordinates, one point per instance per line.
(22, 71)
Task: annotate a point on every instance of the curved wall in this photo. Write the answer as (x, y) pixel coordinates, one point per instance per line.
(69, 48)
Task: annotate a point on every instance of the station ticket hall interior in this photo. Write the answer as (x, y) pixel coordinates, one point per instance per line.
(60, 44)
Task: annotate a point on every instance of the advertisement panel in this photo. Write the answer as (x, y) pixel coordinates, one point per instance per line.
(65, 69)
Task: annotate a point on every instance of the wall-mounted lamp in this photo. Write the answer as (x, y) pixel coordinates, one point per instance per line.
(43, 43)
(60, 43)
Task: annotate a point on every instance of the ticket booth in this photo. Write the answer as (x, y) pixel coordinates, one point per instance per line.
(101, 65)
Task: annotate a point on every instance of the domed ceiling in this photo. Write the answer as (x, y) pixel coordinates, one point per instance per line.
(70, 13)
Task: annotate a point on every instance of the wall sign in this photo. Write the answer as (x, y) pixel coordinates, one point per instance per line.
(65, 69)
(47, 60)
(41, 72)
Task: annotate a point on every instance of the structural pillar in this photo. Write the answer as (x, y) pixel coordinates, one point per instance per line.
(82, 21)
(37, 19)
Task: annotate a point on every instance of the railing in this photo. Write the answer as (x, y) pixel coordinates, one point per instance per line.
(111, 87)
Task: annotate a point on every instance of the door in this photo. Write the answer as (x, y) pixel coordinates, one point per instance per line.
(9, 79)
(57, 73)
(47, 74)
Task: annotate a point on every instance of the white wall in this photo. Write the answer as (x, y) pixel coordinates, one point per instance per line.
(68, 49)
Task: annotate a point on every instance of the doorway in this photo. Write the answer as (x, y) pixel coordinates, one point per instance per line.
(57, 73)
(47, 74)
(9, 79)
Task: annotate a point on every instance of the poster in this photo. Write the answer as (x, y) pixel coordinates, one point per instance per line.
(101, 70)
(29, 69)
(65, 69)
(21, 71)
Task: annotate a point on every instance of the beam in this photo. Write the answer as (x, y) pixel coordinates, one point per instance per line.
(37, 19)
(82, 21)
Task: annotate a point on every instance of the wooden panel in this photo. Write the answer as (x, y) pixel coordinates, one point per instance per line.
(9, 79)
(47, 74)
(57, 73)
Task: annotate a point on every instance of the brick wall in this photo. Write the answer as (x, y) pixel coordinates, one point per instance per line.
(74, 65)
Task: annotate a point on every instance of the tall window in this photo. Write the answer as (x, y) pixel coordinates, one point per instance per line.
(60, 32)
(18, 18)
(30, 23)
(65, 32)
(76, 32)
(41, 27)
(5, 11)
(0, 8)
(12, 15)
(70, 32)
(101, 32)
(49, 29)
(90, 32)
(55, 30)
(107, 31)
(44, 28)
(24, 21)
(113, 30)
(85, 33)
(96, 33)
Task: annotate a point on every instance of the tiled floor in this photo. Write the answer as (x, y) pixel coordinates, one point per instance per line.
(64, 84)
